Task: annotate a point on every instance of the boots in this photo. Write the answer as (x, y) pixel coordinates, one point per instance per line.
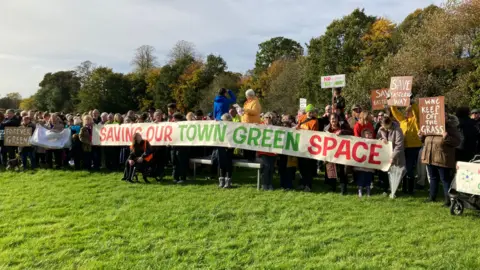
(343, 189)
(221, 182)
(228, 183)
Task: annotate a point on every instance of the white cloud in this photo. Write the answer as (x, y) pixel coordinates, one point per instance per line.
(51, 35)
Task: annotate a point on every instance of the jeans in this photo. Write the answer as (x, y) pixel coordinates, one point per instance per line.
(434, 172)
(267, 169)
(30, 155)
(54, 154)
(225, 157)
(287, 174)
(411, 155)
(180, 159)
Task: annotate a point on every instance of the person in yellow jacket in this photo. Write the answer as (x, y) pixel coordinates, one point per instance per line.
(251, 115)
(251, 108)
(409, 124)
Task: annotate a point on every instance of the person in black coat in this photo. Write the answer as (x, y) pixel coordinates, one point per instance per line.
(469, 134)
(140, 155)
(11, 120)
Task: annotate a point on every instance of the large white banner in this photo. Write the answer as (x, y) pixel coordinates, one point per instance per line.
(347, 150)
(52, 140)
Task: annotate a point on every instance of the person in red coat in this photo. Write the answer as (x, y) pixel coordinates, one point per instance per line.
(364, 122)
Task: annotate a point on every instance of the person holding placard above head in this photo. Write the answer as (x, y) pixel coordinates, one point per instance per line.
(339, 102)
(409, 124)
(439, 155)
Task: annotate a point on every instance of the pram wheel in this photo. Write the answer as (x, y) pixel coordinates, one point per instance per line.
(456, 208)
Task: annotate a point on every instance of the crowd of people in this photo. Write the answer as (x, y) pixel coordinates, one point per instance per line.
(418, 154)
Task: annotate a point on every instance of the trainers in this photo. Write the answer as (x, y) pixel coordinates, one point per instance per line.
(307, 189)
(228, 183)
(180, 182)
(221, 182)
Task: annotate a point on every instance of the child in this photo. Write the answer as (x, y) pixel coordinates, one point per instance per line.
(365, 176)
(27, 152)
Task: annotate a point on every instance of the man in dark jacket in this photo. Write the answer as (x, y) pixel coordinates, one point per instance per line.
(221, 103)
(469, 134)
(11, 120)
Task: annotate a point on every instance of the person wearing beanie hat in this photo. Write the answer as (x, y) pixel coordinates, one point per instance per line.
(307, 166)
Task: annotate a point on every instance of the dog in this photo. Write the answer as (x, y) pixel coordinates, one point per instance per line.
(14, 164)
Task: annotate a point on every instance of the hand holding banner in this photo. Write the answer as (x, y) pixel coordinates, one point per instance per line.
(347, 150)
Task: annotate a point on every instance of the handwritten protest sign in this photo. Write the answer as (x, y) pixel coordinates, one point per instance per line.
(400, 91)
(17, 136)
(467, 179)
(303, 103)
(333, 81)
(379, 98)
(347, 150)
(432, 115)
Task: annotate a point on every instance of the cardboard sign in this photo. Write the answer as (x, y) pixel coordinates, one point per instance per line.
(333, 81)
(303, 103)
(331, 169)
(379, 98)
(467, 179)
(400, 91)
(17, 136)
(432, 115)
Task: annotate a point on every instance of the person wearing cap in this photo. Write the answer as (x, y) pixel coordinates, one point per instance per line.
(221, 104)
(307, 166)
(356, 110)
(410, 126)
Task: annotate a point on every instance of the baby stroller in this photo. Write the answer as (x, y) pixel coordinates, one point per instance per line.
(465, 189)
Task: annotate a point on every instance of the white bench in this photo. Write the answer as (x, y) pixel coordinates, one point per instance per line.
(243, 163)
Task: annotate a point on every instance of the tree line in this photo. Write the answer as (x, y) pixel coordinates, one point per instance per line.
(439, 46)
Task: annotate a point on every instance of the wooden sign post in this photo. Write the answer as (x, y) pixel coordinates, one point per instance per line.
(17, 136)
(432, 115)
(379, 98)
(400, 91)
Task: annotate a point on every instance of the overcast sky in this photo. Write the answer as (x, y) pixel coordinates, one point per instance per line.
(40, 36)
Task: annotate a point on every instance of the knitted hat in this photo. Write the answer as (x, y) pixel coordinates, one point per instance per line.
(309, 108)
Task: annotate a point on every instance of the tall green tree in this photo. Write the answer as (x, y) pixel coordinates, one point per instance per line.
(58, 91)
(107, 91)
(277, 48)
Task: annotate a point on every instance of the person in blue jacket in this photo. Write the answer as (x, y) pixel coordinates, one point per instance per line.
(221, 103)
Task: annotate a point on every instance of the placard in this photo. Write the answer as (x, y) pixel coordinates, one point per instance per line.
(17, 136)
(333, 81)
(331, 169)
(432, 115)
(467, 178)
(379, 98)
(303, 103)
(400, 91)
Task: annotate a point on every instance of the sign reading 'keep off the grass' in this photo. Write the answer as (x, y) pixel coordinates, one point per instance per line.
(347, 150)
(432, 115)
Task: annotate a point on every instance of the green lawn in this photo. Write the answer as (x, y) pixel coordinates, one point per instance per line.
(78, 220)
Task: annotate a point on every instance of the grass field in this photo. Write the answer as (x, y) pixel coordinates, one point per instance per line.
(78, 220)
